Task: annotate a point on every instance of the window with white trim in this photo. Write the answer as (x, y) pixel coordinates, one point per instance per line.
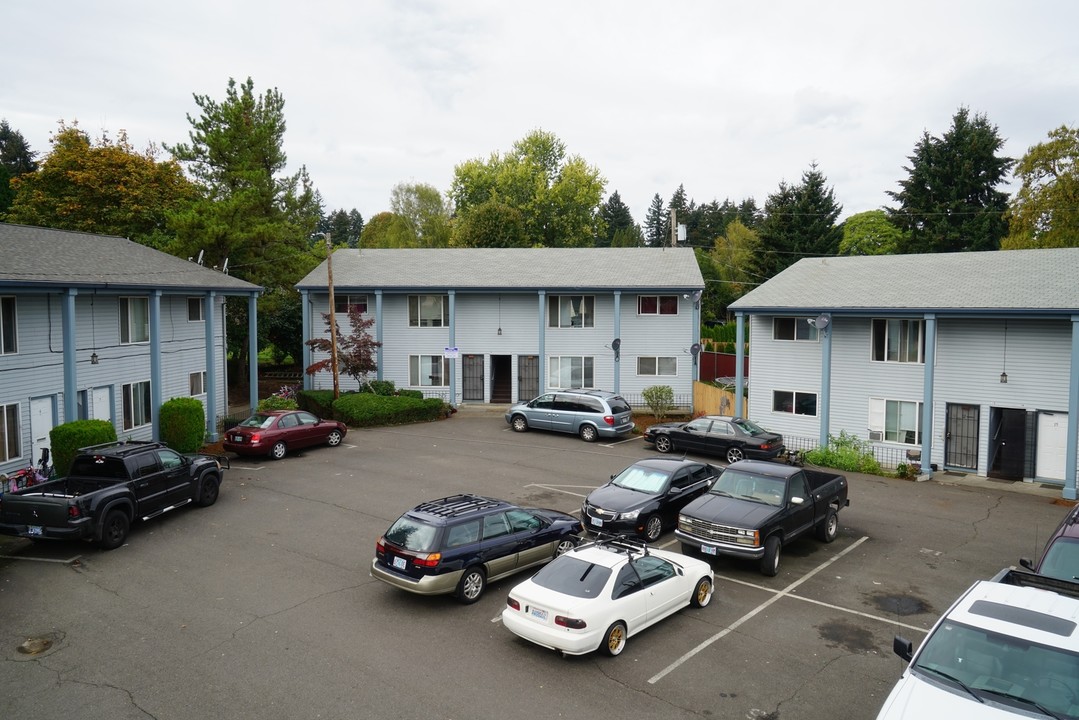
(194, 309)
(566, 372)
(197, 381)
(794, 328)
(10, 432)
(9, 336)
(134, 320)
(428, 371)
(571, 311)
(136, 404)
(794, 402)
(899, 421)
(657, 304)
(342, 303)
(899, 341)
(427, 311)
(657, 366)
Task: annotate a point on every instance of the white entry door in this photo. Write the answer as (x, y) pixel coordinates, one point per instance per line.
(42, 420)
(101, 405)
(1052, 446)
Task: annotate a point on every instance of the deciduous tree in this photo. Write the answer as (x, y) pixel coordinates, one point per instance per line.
(869, 233)
(355, 351)
(1044, 213)
(425, 213)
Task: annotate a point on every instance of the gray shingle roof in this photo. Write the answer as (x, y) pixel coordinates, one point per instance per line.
(511, 268)
(47, 257)
(1006, 280)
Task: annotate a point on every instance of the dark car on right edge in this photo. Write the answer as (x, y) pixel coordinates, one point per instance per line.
(734, 438)
(1060, 558)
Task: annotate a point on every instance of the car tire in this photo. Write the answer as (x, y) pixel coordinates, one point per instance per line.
(114, 530)
(734, 454)
(702, 593)
(664, 444)
(653, 528)
(278, 450)
(828, 529)
(518, 423)
(565, 545)
(770, 562)
(588, 433)
(471, 585)
(614, 640)
(334, 438)
(211, 488)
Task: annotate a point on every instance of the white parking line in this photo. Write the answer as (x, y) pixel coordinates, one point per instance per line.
(733, 626)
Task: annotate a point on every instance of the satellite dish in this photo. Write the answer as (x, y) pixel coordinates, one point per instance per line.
(695, 348)
(696, 295)
(615, 344)
(822, 321)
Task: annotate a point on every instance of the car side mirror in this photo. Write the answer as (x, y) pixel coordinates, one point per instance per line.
(903, 648)
(675, 491)
(1027, 563)
(797, 500)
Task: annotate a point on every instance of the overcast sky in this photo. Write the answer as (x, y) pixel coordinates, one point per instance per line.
(725, 98)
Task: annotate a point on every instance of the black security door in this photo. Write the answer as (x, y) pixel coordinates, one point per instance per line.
(527, 377)
(472, 378)
(961, 437)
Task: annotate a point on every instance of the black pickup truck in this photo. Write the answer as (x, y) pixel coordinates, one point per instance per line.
(108, 488)
(756, 507)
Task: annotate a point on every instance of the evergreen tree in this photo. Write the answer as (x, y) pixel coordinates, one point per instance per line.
(355, 227)
(15, 154)
(655, 223)
(618, 218)
(799, 221)
(949, 201)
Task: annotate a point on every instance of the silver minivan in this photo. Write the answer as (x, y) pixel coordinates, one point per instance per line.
(590, 414)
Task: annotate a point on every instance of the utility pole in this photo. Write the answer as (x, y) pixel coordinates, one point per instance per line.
(674, 227)
(333, 318)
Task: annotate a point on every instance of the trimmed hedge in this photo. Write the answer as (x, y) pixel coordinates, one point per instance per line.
(369, 410)
(381, 387)
(66, 440)
(183, 424)
(318, 402)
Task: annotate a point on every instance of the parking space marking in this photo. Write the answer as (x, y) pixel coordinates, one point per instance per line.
(752, 613)
(558, 488)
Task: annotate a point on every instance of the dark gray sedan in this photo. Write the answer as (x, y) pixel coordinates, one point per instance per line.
(734, 438)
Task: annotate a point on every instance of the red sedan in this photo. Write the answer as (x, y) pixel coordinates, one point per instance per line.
(275, 432)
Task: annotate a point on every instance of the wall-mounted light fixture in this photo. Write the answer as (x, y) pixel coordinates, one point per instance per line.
(94, 359)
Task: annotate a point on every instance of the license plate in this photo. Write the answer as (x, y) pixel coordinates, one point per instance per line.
(708, 550)
(34, 530)
(540, 614)
(237, 438)
(400, 563)
(596, 521)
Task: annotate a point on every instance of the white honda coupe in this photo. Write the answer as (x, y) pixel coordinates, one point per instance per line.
(600, 593)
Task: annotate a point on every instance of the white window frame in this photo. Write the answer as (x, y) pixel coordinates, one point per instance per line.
(342, 303)
(10, 437)
(9, 325)
(128, 321)
(890, 340)
(194, 309)
(658, 364)
(796, 395)
(133, 392)
(563, 368)
(794, 329)
(659, 299)
(898, 421)
(418, 376)
(197, 383)
(416, 303)
(559, 305)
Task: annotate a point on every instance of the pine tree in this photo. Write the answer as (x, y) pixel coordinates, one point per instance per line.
(618, 218)
(656, 223)
(799, 221)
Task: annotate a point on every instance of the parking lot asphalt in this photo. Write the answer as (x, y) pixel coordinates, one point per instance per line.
(262, 605)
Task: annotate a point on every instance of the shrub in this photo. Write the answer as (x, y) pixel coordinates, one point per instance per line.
(846, 452)
(276, 402)
(418, 394)
(66, 440)
(380, 387)
(317, 402)
(368, 410)
(660, 399)
(183, 424)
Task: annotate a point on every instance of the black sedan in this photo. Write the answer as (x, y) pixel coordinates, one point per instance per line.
(734, 438)
(646, 497)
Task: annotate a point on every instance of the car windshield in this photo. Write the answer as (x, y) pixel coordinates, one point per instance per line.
(412, 535)
(642, 479)
(749, 426)
(1062, 559)
(572, 576)
(258, 421)
(758, 488)
(1005, 667)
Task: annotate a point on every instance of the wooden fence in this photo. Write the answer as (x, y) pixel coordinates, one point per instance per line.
(711, 400)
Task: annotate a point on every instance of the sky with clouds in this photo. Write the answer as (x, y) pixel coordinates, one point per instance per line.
(727, 99)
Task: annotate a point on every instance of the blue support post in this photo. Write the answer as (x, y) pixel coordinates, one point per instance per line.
(155, 363)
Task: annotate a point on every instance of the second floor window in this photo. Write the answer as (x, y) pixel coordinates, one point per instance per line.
(427, 311)
(898, 341)
(657, 305)
(134, 320)
(8, 329)
(793, 328)
(194, 309)
(571, 311)
(341, 303)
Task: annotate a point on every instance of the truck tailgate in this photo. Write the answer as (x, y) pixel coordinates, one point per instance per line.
(35, 508)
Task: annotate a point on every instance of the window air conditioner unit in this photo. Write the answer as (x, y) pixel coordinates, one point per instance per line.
(876, 435)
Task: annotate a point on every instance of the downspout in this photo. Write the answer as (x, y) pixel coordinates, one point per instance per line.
(211, 369)
(378, 334)
(617, 335)
(71, 375)
(541, 347)
(739, 363)
(253, 350)
(305, 314)
(155, 364)
(453, 336)
(927, 396)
